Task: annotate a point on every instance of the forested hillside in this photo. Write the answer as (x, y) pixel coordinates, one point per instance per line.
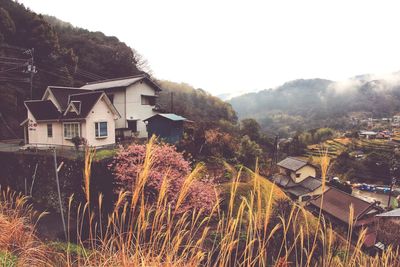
(70, 56)
(195, 104)
(305, 104)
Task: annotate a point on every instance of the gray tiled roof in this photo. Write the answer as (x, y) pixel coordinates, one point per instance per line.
(292, 164)
(311, 183)
(282, 180)
(306, 186)
(298, 191)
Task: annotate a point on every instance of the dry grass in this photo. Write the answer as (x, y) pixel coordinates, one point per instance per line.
(18, 241)
(258, 228)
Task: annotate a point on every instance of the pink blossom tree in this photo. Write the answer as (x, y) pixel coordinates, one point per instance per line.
(167, 163)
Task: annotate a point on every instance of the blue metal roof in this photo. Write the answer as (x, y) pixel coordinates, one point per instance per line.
(170, 116)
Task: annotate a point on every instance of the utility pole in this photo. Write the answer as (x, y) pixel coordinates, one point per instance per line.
(31, 67)
(57, 169)
(275, 152)
(172, 102)
(393, 169)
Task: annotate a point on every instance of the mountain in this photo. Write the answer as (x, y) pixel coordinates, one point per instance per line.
(310, 103)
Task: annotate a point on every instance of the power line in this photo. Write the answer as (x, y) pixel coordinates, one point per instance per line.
(13, 58)
(10, 69)
(52, 73)
(12, 79)
(13, 47)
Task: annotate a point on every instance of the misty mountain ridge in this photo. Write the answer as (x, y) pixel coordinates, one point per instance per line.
(310, 103)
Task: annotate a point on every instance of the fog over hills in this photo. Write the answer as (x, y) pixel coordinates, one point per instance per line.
(308, 103)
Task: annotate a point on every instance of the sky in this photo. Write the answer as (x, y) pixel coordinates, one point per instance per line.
(228, 46)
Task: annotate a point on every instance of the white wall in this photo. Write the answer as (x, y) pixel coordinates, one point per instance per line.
(304, 172)
(99, 113)
(39, 134)
(134, 107)
(119, 104)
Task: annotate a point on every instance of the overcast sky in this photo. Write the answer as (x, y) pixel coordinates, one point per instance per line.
(230, 46)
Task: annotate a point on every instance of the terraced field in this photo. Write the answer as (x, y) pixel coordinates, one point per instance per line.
(336, 146)
(332, 147)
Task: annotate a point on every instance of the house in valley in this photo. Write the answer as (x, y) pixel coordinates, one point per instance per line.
(134, 98)
(367, 134)
(298, 179)
(343, 210)
(64, 113)
(301, 191)
(296, 169)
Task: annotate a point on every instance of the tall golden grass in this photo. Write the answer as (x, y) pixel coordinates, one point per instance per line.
(256, 229)
(17, 233)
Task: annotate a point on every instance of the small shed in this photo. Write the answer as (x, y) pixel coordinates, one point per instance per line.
(167, 126)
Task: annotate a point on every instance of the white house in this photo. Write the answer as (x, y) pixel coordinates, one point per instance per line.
(134, 98)
(298, 179)
(296, 168)
(64, 113)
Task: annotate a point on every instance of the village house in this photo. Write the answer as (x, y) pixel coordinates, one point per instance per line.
(296, 169)
(336, 205)
(396, 120)
(65, 113)
(134, 98)
(101, 112)
(367, 134)
(298, 179)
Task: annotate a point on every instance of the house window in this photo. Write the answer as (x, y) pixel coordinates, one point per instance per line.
(49, 130)
(71, 130)
(132, 125)
(101, 129)
(148, 100)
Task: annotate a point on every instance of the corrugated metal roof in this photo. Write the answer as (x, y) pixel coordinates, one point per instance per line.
(119, 82)
(170, 116)
(292, 164)
(392, 213)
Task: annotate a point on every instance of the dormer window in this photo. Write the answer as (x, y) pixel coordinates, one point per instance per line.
(76, 106)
